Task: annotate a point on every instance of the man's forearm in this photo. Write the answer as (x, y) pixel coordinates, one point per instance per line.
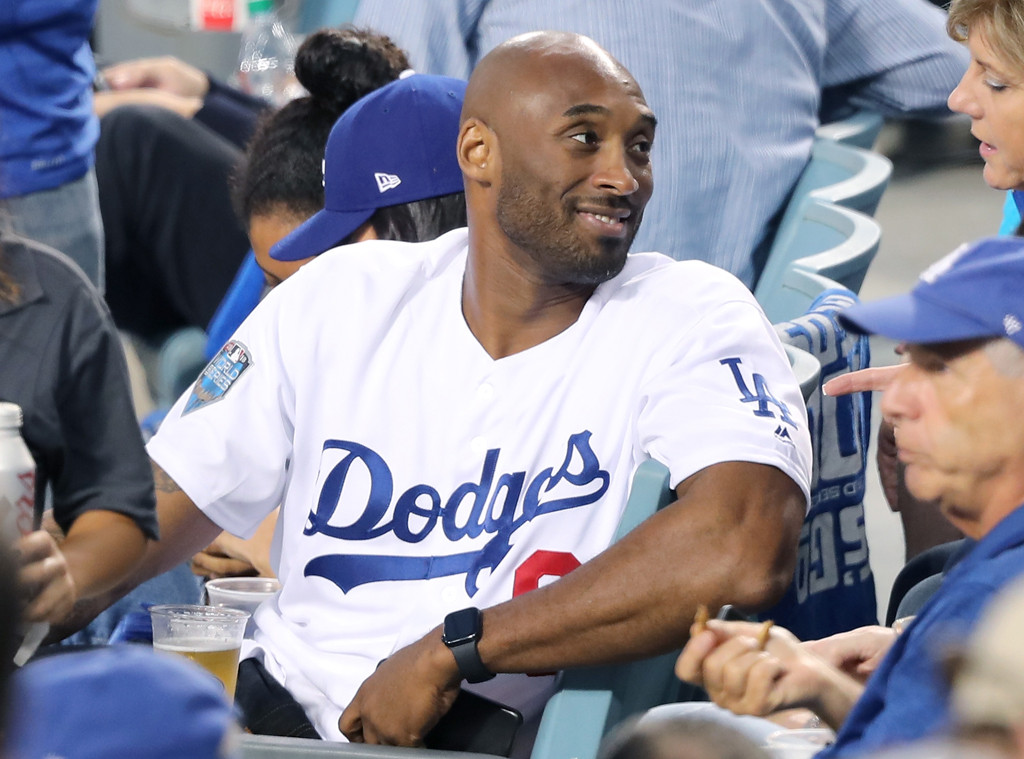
(184, 529)
(101, 549)
(730, 539)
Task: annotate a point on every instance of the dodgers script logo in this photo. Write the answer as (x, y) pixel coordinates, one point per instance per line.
(497, 504)
(219, 375)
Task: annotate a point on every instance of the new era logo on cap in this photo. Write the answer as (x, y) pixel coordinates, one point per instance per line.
(386, 182)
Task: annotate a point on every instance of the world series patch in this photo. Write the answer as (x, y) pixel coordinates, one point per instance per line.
(219, 375)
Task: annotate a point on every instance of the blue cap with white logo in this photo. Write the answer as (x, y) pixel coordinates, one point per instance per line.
(976, 291)
(394, 146)
(123, 701)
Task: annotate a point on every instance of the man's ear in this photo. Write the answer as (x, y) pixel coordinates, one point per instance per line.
(477, 151)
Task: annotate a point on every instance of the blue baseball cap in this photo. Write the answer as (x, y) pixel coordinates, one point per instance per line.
(124, 701)
(393, 146)
(976, 291)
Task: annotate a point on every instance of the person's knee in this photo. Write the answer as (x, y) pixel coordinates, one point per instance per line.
(133, 133)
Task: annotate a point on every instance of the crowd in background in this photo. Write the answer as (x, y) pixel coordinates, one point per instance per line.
(152, 197)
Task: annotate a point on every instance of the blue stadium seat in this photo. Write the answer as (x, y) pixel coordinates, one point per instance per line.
(825, 240)
(272, 747)
(860, 129)
(847, 176)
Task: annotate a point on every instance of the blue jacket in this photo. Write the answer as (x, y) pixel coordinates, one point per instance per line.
(47, 127)
(906, 698)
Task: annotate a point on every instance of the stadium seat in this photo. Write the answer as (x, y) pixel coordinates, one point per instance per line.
(847, 176)
(273, 747)
(824, 240)
(591, 701)
(806, 369)
(860, 129)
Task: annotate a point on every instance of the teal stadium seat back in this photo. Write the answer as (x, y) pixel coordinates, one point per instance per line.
(860, 129)
(845, 175)
(825, 239)
(274, 747)
(315, 14)
(806, 369)
(591, 701)
(837, 174)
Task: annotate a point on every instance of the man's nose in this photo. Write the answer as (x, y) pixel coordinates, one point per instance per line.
(615, 173)
(897, 398)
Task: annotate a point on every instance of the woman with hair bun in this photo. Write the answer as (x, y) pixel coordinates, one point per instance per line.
(170, 138)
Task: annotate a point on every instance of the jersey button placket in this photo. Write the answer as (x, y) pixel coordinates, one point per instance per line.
(483, 397)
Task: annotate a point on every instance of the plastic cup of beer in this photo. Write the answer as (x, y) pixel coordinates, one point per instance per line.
(207, 635)
(245, 593)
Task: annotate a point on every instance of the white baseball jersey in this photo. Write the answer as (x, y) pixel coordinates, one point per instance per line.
(417, 475)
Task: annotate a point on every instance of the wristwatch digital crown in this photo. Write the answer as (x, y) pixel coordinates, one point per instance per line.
(462, 631)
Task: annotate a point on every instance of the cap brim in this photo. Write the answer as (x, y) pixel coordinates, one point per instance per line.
(322, 231)
(909, 318)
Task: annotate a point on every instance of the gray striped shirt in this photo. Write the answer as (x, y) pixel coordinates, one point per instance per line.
(735, 84)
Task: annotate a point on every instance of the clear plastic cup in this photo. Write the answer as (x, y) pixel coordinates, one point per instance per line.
(245, 593)
(209, 636)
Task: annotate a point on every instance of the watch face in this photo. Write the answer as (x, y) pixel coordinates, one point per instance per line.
(461, 626)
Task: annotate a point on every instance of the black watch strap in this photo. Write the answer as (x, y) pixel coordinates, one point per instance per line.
(462, 631)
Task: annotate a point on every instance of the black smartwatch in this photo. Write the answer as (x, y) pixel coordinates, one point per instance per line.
(462, 631)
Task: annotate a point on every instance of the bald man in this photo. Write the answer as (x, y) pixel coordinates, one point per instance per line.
(451, 429)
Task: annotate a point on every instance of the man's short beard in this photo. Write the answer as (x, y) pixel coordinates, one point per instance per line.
(550, 240)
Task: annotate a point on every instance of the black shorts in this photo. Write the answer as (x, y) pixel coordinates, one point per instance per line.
(267, 707)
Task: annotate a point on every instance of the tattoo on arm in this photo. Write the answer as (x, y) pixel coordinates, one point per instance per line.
(162, 481)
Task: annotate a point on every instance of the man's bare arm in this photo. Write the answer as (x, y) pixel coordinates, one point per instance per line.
(99, 550)
(184, 529)
(729, 538)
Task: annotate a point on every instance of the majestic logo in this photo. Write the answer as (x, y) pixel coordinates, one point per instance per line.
(219, 375)
(386, 182)
(782, 433)
(496, 504)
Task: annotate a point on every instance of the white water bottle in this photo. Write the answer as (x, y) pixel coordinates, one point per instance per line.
(266, 62)
(17, 503)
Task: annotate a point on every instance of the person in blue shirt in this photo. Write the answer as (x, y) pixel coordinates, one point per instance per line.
(963, 324)
(48, 129)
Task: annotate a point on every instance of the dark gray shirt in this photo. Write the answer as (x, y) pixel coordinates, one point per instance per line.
(61, 360)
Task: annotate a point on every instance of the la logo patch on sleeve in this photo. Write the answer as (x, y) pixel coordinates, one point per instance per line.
(219, 375)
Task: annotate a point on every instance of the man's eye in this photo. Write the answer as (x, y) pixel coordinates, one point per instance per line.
(642, 146)
(587, 138)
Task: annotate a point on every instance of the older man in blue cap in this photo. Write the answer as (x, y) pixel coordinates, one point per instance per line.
(956, 407)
